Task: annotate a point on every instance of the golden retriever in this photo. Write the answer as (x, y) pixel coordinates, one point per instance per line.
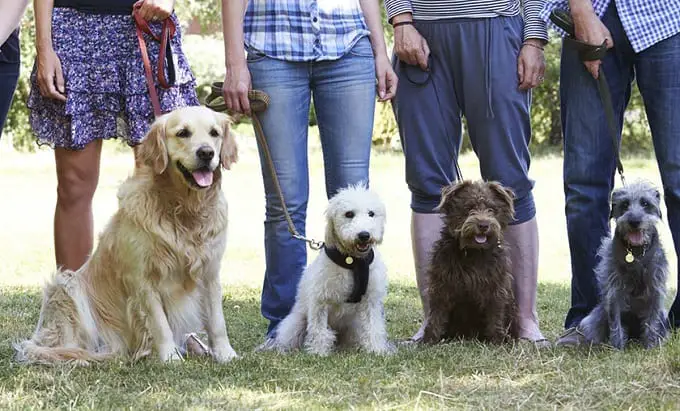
(155, 275)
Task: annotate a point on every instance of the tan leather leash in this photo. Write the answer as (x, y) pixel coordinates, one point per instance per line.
(164, 57)
(259, 101)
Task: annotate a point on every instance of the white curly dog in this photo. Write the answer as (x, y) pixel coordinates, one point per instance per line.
(340, 295)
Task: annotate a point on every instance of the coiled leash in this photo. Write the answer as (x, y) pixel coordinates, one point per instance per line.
(589, 52)
(164, 57)
(259, 101)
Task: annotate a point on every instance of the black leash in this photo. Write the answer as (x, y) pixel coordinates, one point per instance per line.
(589, 52)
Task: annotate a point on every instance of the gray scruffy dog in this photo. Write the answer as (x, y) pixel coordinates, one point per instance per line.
(631, 274)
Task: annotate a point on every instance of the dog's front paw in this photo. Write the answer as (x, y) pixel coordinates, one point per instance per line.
(617, 341)
(170, 354)
(387, 348)
(322, 350)
(224, 353)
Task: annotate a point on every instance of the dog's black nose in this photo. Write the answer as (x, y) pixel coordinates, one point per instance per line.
(483, 226)
(205, 153)
(364, 236)
(634, 223)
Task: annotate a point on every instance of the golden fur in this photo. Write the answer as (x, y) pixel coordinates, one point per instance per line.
(154, 276)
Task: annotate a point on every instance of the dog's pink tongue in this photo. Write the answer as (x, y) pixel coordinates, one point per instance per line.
(480, 239)
(635, 238)
(203, 178)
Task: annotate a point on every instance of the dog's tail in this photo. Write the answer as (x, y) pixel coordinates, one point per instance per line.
(28, 352)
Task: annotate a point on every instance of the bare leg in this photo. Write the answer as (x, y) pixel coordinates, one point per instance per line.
(77, 176)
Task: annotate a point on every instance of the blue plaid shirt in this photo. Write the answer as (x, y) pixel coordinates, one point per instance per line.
(646, 22)
(303, 30)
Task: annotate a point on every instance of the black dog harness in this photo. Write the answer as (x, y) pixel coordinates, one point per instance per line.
(359, 267)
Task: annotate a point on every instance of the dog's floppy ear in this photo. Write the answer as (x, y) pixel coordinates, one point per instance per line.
(505, 195)
(657, 209)
(615, 199)
(229, 151)
(448, 192)
(152, 151)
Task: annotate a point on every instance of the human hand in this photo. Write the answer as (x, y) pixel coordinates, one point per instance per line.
(590, 30)
(387, 78)
(154, 10)
(237, 83)
(531, 64)
(49, 76)
(410, 46)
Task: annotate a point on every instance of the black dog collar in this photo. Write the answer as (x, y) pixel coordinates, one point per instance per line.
(359, 267)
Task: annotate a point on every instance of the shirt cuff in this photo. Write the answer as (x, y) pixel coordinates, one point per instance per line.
(395, 7)
(534, 26)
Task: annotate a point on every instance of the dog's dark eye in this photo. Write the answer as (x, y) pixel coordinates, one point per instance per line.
(349, 214)
(371, 214)
(214, 133)
(644, 203)
(183, 133)
(624, 205)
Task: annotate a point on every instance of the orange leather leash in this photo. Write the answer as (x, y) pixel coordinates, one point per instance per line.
(164, 57)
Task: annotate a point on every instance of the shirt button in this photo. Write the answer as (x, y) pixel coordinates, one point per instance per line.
(315, 20)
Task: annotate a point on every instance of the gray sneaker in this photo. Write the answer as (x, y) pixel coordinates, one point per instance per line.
(573, 337)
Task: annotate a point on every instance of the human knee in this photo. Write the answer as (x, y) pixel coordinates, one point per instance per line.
(76, 188)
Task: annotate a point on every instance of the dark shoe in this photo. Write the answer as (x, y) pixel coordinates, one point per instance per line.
(571, 338)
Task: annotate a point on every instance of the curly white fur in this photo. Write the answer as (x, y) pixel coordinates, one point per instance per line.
(321, 318)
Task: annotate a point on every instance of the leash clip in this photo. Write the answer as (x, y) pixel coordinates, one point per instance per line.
(313, 244)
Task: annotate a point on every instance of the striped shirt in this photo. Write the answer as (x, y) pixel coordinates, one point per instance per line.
(303, 30)
(534, 26)
(646, 22)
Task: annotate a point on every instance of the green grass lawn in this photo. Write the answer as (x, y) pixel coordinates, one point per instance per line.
(455, 375)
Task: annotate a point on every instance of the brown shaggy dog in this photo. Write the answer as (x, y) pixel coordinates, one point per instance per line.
(470, 283)
(154, 277)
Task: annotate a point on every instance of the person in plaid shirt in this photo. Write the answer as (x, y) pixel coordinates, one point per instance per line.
(645, 45)
(333, 50)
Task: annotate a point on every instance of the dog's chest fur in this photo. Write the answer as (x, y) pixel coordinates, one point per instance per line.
(332, 285)
(634, 284)
(470, 273)
(186, 240)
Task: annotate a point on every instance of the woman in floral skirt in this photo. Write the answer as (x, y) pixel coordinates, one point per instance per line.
(88, 84)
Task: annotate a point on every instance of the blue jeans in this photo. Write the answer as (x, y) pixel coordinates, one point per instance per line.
(9, 74)
(344, 99)
(589, 161)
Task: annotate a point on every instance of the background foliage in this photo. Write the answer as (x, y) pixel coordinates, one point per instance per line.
(205, 54)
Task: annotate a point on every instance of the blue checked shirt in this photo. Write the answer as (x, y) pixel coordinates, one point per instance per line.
(646, 22)
(303, 30)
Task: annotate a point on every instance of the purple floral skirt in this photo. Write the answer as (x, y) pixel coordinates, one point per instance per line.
(106, 91)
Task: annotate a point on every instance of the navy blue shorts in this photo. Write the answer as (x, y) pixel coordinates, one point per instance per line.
(462, 81)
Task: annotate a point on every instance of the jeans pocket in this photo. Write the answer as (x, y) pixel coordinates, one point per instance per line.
(362, 48)
(253, 55)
